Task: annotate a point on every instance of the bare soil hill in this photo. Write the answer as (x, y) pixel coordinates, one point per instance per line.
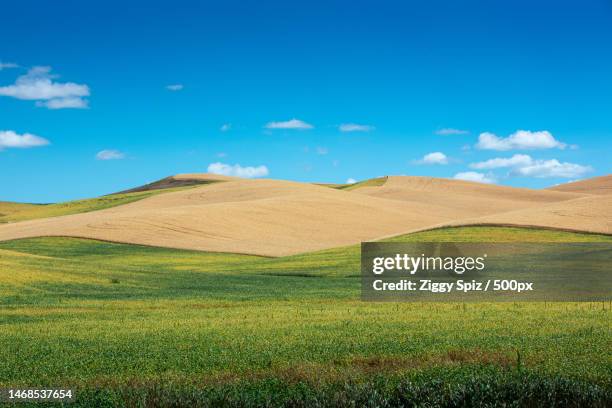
(265, 217)
(275, 217)
(586, 214)
(596, 185)
(462, 198)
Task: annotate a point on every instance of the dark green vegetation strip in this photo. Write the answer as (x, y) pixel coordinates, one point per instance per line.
(455, 387)
(151, 325)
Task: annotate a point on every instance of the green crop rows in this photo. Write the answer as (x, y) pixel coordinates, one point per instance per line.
(142, 326)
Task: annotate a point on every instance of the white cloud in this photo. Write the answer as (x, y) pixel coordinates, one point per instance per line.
(451, 131)
(37, 84)
(5, 65)
(110, 155)
(289, 124)
(350, 181)
(475, 176)
(63, 103)
(322, 150)
(521, 139)
(434, 158)
(525, 165)
(354, 127)
(174, 87)
(225, 127)
(499, 162)
(552, 168)
(10, 139)
(237, 170)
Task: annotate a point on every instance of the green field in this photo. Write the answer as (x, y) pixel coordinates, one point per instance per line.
(13, 212)
(374, 182)
(142, 326)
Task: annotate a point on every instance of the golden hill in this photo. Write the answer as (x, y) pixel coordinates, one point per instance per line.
(275, 217)
(586, 214)
(462, 198)
(596, 185)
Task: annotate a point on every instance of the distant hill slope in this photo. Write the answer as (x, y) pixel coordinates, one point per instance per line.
(462, 198)
(15, 212)
(276, 217)
(8, 209)
(180, 180)
(378, 181)
(265, 217)
(591, 213)
(596, 185)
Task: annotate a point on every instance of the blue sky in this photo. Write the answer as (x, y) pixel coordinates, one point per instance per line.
(520, 91)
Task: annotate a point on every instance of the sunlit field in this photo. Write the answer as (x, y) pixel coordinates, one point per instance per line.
(143, 326)
(13, 212)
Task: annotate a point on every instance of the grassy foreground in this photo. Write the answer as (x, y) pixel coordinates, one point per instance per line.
(129, 325)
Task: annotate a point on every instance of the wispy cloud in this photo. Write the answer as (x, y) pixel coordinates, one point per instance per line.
(552, 168)
(175, 87)
(289, 124)
(354, 127)
(475, 176)
(225, 127)
(451, 131)
(433, 158)
(519, 140)
(350, 180)
(500, 162)
(63, 103)
(110, 155)
(525, 165)
(237, 170)
(38, 84)
(322, 150)
(11, 139)
(5, 65)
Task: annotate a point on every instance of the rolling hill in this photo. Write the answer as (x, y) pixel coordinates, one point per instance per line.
(588, 214)
(596, 185)
(276, 217)
(462, 198)
(9, 209)
(180, 180)
(15, 212)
